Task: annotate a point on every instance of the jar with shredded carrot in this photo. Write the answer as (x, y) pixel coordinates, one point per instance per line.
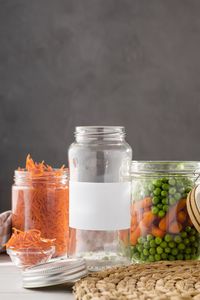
(40, 201)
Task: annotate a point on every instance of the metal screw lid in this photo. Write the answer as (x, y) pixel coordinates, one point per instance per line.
(54, 272)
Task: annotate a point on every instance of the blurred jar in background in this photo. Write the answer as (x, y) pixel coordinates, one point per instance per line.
(99, 195)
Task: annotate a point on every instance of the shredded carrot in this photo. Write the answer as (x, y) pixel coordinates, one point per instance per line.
(44, 205)
(30, 241)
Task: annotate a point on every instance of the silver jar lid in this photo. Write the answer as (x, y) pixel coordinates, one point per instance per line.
(54, 272)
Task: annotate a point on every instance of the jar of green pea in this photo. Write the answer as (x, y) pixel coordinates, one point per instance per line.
(160, 225)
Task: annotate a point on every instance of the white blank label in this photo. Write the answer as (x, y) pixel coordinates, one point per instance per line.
(99, 206)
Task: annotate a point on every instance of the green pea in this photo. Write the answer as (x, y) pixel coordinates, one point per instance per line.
(171, 257)
(165, 208)
(146, 245)
(184, 195)
(188, 228)
(186, 241)
(171, 244)
(196, 244)
(150, 187)
(188, 189)
(168, 238)
(163, 244)
(141, 240)
(194, 251)
(177, 196)
(160, 206)
(192, 231)
(164, 201)
(152, 244)
(133, 249)
(152, 251)
(165, 186)
(142, 257)
(164, 180)
(180, 256)
(172, 201)
(157, 191)
(146, 252)
(157, 257)
(159, 250)
(188, 250)
(164, 256)
(161, 213)
(183, 234)
(167, 250)
(172, 191)
(155, 200)
(192, 238)
(172, 181)
(149, 237)
(154, 210)
(181, 246)
(187, 256)
(158, 240)
(164, 194)
(174, 251)
(177, 239)
(158, 183)
(151, 258)
(139, 248)
(181, 190)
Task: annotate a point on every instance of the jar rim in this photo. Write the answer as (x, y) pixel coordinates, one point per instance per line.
(46, 174)
(99, 132)
(165, 166)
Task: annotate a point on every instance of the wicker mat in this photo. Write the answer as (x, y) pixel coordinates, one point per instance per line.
(162, 280)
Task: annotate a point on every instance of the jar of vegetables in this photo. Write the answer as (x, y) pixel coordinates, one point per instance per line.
(40, 201)
(160, 225)
(99, 195)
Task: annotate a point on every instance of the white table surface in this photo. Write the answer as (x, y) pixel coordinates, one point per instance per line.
(11, 286)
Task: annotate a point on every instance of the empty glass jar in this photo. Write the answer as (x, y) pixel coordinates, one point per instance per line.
(99, 195)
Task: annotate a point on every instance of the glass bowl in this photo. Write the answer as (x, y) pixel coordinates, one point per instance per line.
(25, 258)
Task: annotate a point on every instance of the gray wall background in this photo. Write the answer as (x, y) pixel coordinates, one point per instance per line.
(114, 62)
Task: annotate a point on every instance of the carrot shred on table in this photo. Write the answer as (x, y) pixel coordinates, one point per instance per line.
(44, 205)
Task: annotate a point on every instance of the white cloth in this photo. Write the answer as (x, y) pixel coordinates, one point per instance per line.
(5, 228)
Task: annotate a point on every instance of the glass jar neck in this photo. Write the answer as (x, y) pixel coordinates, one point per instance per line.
(99, 133)
(172, 168)
(49, 178)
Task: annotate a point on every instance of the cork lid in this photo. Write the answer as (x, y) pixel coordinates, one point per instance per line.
(193, 206)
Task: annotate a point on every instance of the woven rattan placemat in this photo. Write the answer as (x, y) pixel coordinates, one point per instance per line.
(161, 280)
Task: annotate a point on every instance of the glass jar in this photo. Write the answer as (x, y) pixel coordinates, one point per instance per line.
(99, 195)
(160, 225)
(42, 202)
